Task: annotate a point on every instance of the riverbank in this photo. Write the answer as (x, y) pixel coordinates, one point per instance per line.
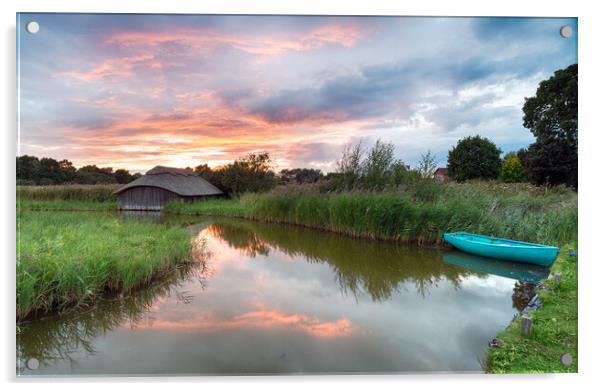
(554, 327)
(69, 259)
(419, 215)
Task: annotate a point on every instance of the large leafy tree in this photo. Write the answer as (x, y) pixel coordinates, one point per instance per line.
(551, 115)
(474, 158)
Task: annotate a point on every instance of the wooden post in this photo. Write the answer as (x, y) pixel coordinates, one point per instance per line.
(526, 325)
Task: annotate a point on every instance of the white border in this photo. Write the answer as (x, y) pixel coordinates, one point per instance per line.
(589, 83)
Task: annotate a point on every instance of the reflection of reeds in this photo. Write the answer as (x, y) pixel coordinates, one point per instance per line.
(58, 337)
(377, 268)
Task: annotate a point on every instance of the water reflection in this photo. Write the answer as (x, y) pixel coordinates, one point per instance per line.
(522, 294)
(360, 266)
(515, 270)
(56, 338)
(282, 299)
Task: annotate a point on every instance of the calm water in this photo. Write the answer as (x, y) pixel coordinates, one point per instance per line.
(281, 299)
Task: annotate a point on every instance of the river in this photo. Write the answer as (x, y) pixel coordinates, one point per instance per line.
(277, 299)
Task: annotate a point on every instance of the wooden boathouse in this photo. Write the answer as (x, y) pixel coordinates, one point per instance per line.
(162, 185)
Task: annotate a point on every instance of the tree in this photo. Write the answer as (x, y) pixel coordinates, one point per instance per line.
(91, 174)
(427, 165)
(213, 176)
(50, 172)
(301, 175)
(68, 170)
(474, 158)
(377, 166)
(350, 165)
(551, 115)
(123, 176)
(252, 173)
(28, 168)
(512, 169)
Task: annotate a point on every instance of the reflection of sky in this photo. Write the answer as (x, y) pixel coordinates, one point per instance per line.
(280, 314)
(133, 91)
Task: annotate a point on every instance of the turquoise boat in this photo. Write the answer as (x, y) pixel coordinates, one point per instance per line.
(509, 250)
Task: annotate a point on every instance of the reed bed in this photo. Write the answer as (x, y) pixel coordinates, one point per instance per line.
(66, 259)
(418, 214)
(95, 193)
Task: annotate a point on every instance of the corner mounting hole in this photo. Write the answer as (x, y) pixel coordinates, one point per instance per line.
(566, 31)
(32, 27)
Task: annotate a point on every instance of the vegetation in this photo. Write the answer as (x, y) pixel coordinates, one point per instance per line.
(474, 158)
(512, 169)
(554, 328)
(96, 193)
(251, 173)
(551, 115)
(375, 169)
(48, 171)
(58, 337)
(419, 213)
(66, 259)
(427, 165)
(64, 205)
(301, 175)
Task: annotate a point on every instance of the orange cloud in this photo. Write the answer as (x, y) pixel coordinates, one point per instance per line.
(260, 319)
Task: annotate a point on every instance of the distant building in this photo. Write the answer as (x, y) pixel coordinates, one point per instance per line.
(162, 185)
(441, 175)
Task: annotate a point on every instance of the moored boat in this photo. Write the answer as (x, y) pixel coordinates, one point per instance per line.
(510, 250)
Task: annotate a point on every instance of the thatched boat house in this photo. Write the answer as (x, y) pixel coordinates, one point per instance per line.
(162, 185)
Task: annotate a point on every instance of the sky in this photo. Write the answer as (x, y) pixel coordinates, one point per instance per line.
(135, 91)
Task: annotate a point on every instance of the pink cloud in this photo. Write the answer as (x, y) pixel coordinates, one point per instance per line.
(260, 319)
(204, 40)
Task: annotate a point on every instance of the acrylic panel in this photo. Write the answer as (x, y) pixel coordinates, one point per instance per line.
(269, 194)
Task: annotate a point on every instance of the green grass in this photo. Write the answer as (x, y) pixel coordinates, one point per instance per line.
(418, 214)
(74, 205)
(93, 193)
(65, 259)
(554, 328)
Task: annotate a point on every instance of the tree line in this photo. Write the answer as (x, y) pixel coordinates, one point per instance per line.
(551, 115)
(48, 171)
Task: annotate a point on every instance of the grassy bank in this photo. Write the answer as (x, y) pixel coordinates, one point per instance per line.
(420, 214)
(554, 328)
(66, 205)
(87, 193)
(65, 259)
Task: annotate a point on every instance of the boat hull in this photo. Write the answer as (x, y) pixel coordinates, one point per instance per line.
(505, 249)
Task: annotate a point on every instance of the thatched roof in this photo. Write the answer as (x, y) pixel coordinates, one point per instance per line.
(177, 180)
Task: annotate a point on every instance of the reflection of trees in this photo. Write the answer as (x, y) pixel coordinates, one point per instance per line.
(378, 268)
(57, 337)
(240, 238)
(522, 294)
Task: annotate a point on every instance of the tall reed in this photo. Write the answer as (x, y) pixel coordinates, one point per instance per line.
(420, 213)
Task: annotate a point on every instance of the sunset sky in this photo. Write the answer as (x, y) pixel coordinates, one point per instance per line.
(134, 91)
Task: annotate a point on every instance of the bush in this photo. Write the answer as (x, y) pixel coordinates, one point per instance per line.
(512, 169)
